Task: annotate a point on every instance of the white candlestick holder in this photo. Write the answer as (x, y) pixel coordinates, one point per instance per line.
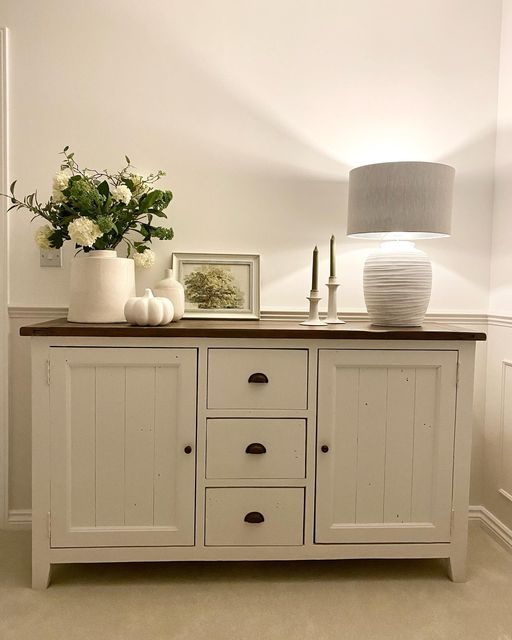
(332, 305)
(314, 300)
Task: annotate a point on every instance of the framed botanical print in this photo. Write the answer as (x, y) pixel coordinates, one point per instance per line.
(219, 285)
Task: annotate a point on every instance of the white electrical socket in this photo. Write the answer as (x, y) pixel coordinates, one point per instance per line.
(50, 258)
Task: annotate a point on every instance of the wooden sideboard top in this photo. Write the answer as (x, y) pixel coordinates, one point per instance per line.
(252, 329)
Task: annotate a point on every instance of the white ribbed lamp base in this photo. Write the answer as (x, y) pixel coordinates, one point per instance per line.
(397, 285)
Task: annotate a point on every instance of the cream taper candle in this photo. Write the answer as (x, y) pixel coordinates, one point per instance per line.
(332, 272)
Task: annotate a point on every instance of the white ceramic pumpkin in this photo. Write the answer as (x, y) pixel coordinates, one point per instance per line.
(148, 310)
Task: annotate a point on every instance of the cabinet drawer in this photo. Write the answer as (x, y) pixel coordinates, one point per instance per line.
(254, 517)
(256, 448)
(257, 378)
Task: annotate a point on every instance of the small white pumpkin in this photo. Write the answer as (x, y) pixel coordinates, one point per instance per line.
(148, 310)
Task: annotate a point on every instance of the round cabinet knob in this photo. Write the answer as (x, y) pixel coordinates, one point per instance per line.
(324, 448)
(254, 517)
(258, 378)
(188, 449)
(256, 448)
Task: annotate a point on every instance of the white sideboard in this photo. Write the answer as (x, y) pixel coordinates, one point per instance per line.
(209, 440)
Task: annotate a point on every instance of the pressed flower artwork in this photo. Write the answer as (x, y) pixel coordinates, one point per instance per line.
(219, 285)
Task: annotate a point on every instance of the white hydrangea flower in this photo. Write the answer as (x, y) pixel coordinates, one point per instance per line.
(84, 231)
(60, 181)
(57, 196)
(138, 183)
(121, 194)
(42, 236)
(144, 260)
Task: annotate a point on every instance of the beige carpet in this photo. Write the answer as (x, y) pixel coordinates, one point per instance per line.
(346, 600)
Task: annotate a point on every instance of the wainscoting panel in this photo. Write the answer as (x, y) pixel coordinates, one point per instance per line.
(506, 431)
(19, 393)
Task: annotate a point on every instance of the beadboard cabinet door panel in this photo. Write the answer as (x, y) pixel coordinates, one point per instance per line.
(388, 420)
(120, 421)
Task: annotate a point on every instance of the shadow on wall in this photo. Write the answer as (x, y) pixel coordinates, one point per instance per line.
(471, 226)
(245, 183)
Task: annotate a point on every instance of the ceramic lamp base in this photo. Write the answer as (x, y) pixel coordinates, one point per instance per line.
(397, 285)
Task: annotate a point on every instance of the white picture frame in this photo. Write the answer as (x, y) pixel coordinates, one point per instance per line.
(242, 285)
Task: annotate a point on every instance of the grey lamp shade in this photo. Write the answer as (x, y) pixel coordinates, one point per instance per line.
(413, 199)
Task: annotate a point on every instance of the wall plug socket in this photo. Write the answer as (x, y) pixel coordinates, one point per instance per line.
(50, 258)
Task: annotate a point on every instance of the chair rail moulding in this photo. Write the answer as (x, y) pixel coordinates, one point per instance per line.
(16, 311)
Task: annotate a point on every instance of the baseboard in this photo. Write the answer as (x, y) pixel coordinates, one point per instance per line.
(492, 525)
(19, 519)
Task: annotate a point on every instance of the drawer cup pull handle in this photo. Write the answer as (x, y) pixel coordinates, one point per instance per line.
(254, 517)
(324, 448)
(259, 378)
(256, 448)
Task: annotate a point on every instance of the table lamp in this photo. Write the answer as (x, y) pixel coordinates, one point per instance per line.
(397, 203)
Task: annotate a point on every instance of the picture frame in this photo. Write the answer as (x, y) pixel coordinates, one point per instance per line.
(223, 286)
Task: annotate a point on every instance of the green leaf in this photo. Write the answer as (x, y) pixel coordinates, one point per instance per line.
(56, 238)
(145, 231)
(127, 160)
(163, 233)
(103, 189)
(66, 148)
(149, 199)
(12, 187)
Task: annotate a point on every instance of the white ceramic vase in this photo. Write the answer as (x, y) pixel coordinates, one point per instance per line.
(170, 288)
(101, 283)
(397, 285)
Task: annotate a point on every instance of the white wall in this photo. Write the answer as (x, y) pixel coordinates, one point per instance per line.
(498, 422)
(257, 110)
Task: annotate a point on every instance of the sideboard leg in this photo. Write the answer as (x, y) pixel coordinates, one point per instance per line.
(456, 565)
(41, 574)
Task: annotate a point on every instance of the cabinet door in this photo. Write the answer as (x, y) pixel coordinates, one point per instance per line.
(121, 419)
(388, 420)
